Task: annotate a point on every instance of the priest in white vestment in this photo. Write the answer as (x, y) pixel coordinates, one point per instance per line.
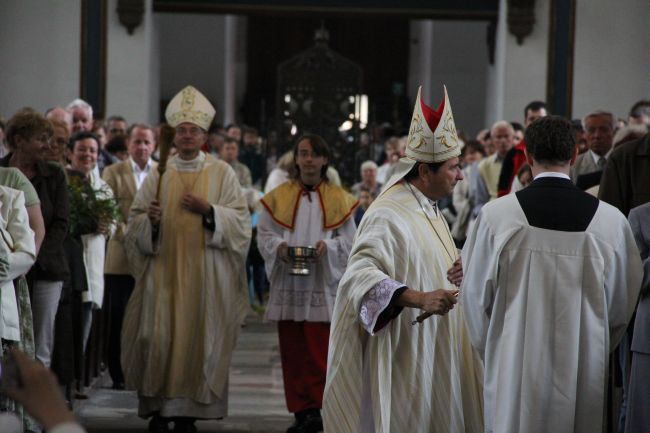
(188, 249)
(400, 357)
(552, 276)
(306, 211)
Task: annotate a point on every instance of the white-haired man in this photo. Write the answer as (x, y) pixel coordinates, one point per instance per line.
(485, 184)
(599, 132)
(368, 180)
(82, 115)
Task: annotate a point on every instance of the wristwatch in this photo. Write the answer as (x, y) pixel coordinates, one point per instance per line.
(208, 219)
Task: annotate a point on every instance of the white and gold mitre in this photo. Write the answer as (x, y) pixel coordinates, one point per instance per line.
(432, 135)
(189, 105)
(432, 138)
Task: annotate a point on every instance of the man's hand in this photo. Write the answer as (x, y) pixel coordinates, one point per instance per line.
(455, 273)
(439, 301)
(321, 249)
(435, 302)
(154, 213)
(283, 252)
(39, 393)
(195, 204)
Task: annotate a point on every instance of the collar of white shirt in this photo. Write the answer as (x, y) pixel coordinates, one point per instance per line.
(552, 174)
(136, 168)
(596, 157)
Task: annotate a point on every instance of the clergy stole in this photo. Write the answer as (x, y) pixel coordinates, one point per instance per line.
(179, 277)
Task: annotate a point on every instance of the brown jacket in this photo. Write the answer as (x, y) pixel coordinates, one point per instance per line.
(626, 180)
(122, 181)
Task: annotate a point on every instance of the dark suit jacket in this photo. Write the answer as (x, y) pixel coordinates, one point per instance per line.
(52, 189)
(557, 204)
(626, 179)
(640, 223)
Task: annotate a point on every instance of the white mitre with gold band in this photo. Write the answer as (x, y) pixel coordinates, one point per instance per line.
(432, 137)
(189, 105)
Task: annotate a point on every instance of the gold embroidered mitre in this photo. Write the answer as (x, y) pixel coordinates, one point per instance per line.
(432, 135)
(189, 105)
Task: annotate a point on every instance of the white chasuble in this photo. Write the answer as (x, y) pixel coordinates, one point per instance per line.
(423, 378)
(183, 318)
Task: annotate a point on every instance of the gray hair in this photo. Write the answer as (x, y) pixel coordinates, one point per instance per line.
(599, 113)
(502, 124)
(80, 103)
(368, 164)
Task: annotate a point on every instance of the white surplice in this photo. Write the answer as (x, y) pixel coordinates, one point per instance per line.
(545, 318)
(311, 297)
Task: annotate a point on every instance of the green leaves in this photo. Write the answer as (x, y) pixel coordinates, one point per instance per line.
(89, 207)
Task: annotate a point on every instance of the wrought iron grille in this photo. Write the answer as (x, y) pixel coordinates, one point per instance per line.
(318, 93)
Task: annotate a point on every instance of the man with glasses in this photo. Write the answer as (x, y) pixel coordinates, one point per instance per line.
(187, 238)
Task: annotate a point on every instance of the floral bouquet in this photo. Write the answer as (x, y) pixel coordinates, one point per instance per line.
(89, 207)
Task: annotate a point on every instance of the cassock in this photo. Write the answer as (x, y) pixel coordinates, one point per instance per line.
(183, 318)
(405, 378)
(551, 279)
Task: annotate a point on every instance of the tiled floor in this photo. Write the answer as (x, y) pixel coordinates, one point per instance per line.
(256, 401)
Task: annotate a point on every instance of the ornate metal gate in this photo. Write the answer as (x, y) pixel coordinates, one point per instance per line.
(318, 92)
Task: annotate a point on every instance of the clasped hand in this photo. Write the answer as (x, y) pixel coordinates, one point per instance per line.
(195, 204)
(455, 273)
(189, 202)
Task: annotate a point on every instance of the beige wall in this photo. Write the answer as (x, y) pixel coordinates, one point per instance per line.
(132, 68)
(612, 56)
(39, 53)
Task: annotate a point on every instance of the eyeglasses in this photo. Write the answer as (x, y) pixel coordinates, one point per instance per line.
(192, 131)
(45, 138)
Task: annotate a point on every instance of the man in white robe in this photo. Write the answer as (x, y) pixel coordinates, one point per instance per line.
(190, 243)
(306, 211)
(552, 276)
(393, 369)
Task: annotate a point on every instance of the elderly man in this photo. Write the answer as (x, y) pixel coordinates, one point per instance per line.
(485, 182)
(391, 367)
(124, 178)
(81, 113)
(516, 158)
(187, 245)
(82, 120)
(552, 276)
(59, 114)
(599, 133)
(368, 180)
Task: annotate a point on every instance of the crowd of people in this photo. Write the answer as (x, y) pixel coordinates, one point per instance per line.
(460, 285)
